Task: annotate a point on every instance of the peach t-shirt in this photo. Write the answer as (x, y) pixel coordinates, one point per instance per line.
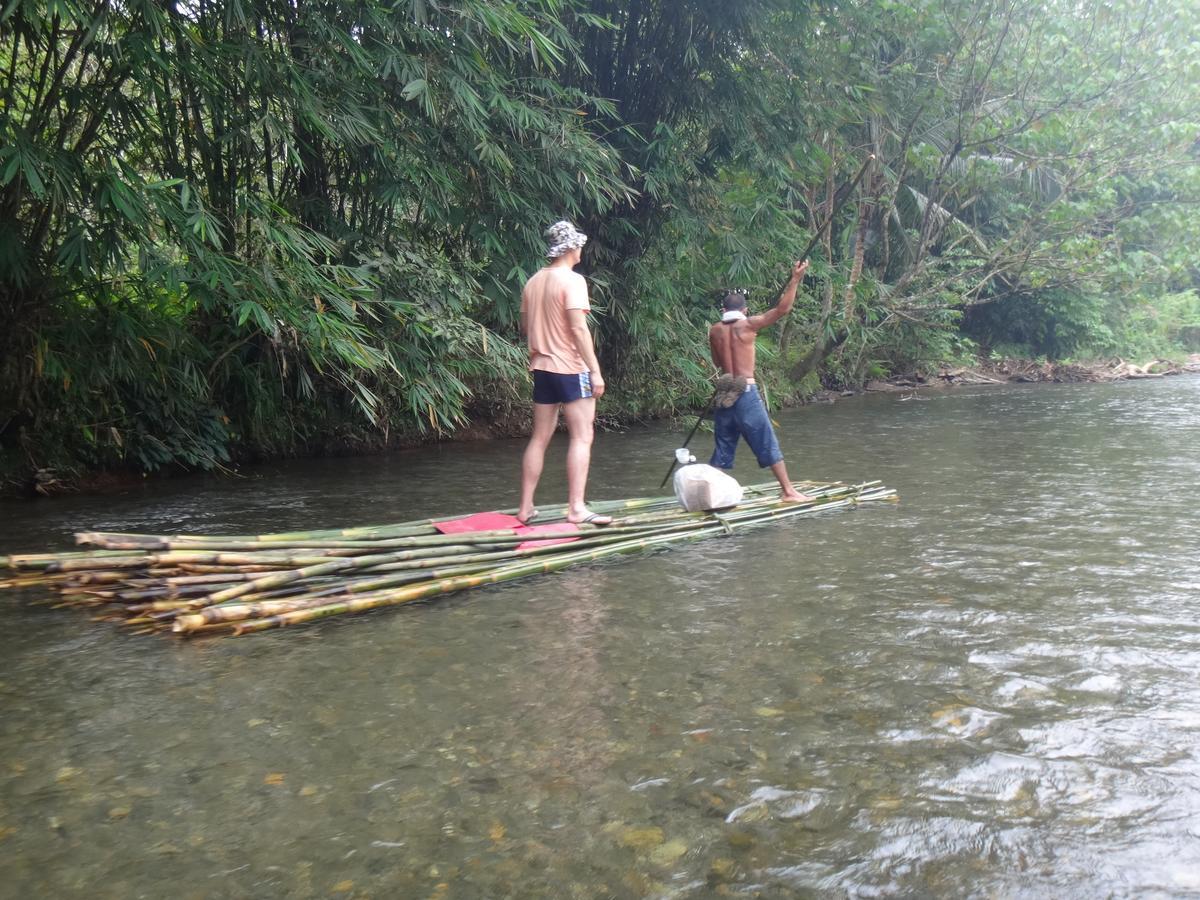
(544, 304)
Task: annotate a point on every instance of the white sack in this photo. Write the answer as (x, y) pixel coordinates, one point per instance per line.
(701, 487)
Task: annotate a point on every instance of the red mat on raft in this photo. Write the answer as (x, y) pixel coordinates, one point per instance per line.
(484, 521)
(544, 529)
(494, 521)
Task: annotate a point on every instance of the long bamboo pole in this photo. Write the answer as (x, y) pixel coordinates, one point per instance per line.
(267, 615)
(197, 584)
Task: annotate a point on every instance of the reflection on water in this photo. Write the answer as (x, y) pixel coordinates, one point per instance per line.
(988, 690)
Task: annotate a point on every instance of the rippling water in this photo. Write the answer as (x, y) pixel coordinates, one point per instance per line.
(987, 690)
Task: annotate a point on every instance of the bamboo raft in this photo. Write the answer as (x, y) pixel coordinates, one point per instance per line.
(242, 584)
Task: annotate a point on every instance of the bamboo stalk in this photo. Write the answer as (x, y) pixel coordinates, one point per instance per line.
(464, 565)
(444, 586)
(351, 535)
(267, 616)
(197, 584)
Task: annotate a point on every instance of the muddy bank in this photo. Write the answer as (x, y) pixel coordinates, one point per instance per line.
(1024, 371)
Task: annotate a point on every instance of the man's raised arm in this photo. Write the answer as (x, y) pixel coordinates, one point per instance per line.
(786, 300)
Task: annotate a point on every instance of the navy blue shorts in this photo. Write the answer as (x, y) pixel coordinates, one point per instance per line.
(554, 387)
(747, 418)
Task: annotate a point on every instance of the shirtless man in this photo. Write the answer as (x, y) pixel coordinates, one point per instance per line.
(732, 344)
(566, 374)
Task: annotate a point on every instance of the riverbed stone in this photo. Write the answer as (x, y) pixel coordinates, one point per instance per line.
(721, 869)
(642, 838)
(668, 853)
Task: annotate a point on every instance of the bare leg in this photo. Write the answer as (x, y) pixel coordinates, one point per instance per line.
(580, 416)
(787, 493)
(545, 420)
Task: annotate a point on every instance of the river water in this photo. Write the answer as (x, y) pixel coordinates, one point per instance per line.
(988, 689)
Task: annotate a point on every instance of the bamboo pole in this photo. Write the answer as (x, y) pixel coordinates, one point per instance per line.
(267, 616)
(198, 584)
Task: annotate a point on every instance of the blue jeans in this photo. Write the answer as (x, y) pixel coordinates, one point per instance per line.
(746, 418)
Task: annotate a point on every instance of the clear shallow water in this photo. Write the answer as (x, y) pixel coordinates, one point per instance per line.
(986, 690)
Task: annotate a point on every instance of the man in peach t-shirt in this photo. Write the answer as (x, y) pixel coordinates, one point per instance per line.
(566, 374)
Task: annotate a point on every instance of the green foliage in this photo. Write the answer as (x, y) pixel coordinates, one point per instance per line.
(120, 379)
(230, 229)
(1164, 326)
(233, 227)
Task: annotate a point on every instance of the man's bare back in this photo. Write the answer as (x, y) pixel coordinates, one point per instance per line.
(732, 345)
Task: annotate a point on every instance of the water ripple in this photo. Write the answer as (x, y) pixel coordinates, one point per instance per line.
(986, 690)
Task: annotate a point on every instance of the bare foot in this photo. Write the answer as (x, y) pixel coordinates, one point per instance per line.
(795, 497)
(525, 518)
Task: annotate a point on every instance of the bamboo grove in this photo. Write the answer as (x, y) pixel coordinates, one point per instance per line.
(199, 585)
(236, 228)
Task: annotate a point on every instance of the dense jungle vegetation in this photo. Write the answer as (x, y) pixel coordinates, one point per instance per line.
(236, 228)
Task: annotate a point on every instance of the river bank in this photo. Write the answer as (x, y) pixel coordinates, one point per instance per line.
(1027, 371)
(36, 483)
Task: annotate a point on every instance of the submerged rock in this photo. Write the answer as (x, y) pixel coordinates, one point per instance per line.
(641, 838)
(668, 853)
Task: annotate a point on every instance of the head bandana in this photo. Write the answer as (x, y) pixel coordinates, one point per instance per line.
(563, 236)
